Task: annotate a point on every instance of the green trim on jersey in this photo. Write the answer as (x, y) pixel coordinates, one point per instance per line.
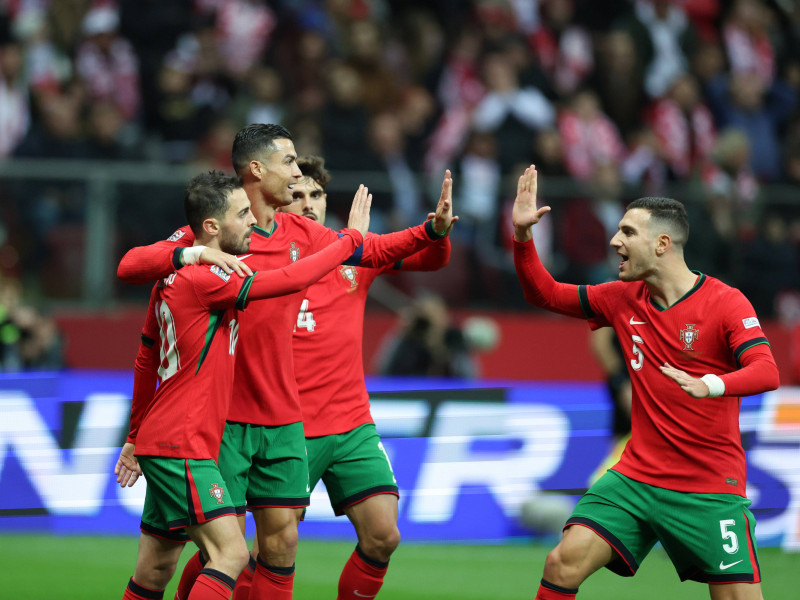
(241, 299)
(747, 345)
(695, 287)
(583, 298)
(264, 232)
(214, 320)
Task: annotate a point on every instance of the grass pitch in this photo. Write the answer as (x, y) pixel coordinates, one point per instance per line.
(37, 567)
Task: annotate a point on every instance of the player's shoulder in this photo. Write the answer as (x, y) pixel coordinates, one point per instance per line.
(718, 288)
(181, 233)
(294, 221)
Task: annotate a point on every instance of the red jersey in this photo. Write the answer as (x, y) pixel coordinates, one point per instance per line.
(678, 442)
(327, 344)
(197, 328)
(265, 391)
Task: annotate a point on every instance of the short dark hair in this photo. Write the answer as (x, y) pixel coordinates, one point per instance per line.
(667, 211)
(207, 197)
(314, 167)
(254, 141)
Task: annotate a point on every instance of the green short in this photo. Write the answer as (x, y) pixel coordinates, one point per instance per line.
(709, 537)
(354, 466)
(182, 492)
(265, 466)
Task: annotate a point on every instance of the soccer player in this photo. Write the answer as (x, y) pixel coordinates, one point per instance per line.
(344, 448)
(693, 346)
(178, 430)
(263, 456)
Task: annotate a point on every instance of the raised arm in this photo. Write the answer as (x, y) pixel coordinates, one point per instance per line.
(538, 285)
(432, 258)
(304, 272)
(387, 249)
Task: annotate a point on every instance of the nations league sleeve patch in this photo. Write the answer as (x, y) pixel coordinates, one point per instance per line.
(176, 236)
(220, 273)
(750, 322)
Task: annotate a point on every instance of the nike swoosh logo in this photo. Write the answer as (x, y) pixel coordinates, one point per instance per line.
(633, 321)
(373, 595)
(723, 566)
(243, 257)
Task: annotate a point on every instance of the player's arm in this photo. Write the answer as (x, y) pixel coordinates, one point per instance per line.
(301, 274)
(145, 264)
(758, 374)
(432, 258)
(387, 249)
(145, 380)
(538, 285)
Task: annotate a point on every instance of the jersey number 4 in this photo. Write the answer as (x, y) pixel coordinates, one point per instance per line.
(305, 318)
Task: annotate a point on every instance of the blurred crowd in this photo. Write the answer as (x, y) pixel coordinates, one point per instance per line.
(615, 97)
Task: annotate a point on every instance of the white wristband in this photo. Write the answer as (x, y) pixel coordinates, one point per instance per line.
(191, 256)
(716, 387)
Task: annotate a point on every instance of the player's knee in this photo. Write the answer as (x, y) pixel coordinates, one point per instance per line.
(380, 543)
(159, 572)
(285, 539)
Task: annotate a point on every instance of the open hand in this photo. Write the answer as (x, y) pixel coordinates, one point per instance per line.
(359, 210)
(227, 262)
(127, 469)
(693, 386)
(525, 213)
(443, 219)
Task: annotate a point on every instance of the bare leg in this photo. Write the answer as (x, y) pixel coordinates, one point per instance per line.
(580, 553)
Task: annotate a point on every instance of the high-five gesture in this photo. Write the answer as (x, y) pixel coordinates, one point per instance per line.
(359, 210)
(443, 219)
(525, 213)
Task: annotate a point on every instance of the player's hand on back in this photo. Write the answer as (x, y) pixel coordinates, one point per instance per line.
(526, 213)
(227, 262)
(443, 219)
(127, 468)
(359, 210)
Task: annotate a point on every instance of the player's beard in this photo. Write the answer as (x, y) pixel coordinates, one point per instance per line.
(233, 244)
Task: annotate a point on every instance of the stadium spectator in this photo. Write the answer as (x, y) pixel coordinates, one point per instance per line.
(743, 102)
(14, 110)
(588, 136)
(107, 64)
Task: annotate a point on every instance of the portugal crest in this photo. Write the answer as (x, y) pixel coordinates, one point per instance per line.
(217, 492)
(689, 336)
(294, 252)
(350, 275)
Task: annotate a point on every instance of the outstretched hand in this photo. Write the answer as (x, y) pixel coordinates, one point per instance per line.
(127, 469)
(525, 213)
(359, 210)
(227, 262)
(693, 386)
(443, 219)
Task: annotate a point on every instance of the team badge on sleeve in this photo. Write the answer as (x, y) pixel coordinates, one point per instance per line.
(689, 336)
(176, 236)
(350, 275)
(750, 322)
(294, 252)
(217, 492)
(220, 273)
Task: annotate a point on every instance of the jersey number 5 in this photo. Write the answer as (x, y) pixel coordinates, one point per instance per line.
(638, 356)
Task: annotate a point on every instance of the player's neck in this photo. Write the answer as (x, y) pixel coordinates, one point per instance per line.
(264, 214)
(670, 285)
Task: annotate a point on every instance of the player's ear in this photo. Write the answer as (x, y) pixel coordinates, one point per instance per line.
(663, 244)
(211, 226)
(255, 169)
